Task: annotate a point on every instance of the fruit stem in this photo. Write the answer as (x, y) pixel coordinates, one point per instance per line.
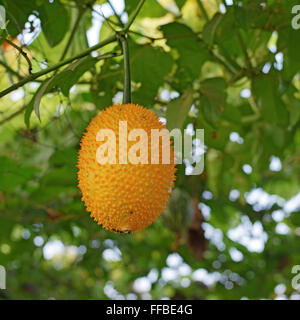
(127, 78)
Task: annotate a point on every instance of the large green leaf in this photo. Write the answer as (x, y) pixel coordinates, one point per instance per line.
(150, 76)
(17, 14)
(210, 29)
(55, 21)
(151, 8)
(192, 53)
(213, 98)
(106, 86)
(266, 92)
(12, 175)
(73, 74)
(178, 109)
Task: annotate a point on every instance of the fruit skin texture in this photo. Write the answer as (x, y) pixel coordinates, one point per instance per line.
(128, 197)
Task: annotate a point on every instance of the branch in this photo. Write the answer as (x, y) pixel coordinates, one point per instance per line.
(101, 44)
(132, 18)
(219, 59)
(24, 54)
(177, 36)
(115, 12)
(36, 75)
(105, 18)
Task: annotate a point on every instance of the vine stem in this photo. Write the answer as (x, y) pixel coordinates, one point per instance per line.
(127, 77)
(101, 44)
(36, 75)
(124, 45)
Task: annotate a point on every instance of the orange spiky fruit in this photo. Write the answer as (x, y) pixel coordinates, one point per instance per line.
(127, 197)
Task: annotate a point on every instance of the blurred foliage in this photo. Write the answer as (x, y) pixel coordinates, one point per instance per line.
(230, 69)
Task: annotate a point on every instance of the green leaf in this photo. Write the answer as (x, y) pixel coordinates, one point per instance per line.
(212, 99)
(251, 16)
(61, 177)
(291, 62)
(65, 157)
(12, 175)
(180, 3)
(151, 8)
(232, 114)
(76, 72)
(106, 87)
(149, 75)
(210, 29)
(107, 29)
(30, 106)
(294, 104)
(214, 167)
(226, 37)
(285, 188)
(43, 50)
(49, 85)
(55, 21)
(265, 89)
(64, 80)
(192, 53)
(178, 109)
(17, 14)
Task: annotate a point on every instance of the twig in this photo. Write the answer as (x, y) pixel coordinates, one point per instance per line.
(105, 18)
(108, 55)
(177, 36)
(132, 18)
(115, 12)
(24, 54)
(107, 21)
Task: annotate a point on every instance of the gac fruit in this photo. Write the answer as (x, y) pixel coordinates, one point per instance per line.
(124, 197)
